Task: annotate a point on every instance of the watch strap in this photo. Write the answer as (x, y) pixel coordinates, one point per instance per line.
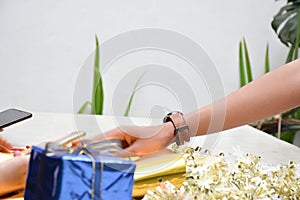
(181, 129)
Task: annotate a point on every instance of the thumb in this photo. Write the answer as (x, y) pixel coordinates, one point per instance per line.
(4, 145)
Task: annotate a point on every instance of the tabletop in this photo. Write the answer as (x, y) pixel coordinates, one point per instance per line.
(43, 127)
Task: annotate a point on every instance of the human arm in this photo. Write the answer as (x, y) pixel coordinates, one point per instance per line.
(4, 144)
(275, 92)
(13, 174)
(13, 171)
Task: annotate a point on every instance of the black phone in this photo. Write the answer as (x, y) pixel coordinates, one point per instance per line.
(12, 116)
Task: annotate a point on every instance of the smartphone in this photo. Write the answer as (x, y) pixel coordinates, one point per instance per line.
(12, 116)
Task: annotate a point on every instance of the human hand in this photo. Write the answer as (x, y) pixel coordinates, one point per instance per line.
(4, 145)
(139, 140)
(13, 174)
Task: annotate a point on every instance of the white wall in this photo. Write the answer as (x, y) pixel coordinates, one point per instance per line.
(43, 44)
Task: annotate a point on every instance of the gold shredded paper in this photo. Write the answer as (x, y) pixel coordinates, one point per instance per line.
(246, 178)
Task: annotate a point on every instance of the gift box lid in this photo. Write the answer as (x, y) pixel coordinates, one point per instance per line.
(65, 176)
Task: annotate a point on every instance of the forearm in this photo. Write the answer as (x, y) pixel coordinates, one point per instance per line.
(273, 93)
(13, 174)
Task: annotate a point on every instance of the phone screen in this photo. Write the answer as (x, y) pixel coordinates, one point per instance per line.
(12, 116)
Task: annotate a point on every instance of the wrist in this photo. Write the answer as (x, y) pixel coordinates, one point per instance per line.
(169, 131)
(180, 127)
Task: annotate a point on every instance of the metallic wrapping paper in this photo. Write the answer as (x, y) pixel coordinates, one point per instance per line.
(70, 176)
(162, 166)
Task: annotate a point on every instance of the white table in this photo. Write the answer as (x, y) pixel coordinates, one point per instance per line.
(49, 126)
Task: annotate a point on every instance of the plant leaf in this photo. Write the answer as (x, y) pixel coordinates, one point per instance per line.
(290, 55)
(293, 113)
(241, 65)
(281, 16)
(285, 22)
(267, 61)
(248, 65)
(132, 95)
(83, 107)
(287, 32)
(297, 37)
(98, 94)
(99, 97)
(297, 113)
(288, 136)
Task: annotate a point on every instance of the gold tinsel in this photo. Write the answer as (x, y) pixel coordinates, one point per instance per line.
(246, 178)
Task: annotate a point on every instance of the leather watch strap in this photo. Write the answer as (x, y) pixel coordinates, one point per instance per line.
(181, 129)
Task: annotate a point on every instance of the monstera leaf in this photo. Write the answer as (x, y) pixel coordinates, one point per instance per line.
(285, 23)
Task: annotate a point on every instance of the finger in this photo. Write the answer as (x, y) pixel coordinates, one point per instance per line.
(17, 153)
(114, 133)
(118, 133)
(142, 147)
(4, 145)
(80, 142)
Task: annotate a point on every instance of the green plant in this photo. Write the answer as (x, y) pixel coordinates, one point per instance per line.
(97, 94)
(245, 68)
(245, 73)
(284, 125)
(132, 95)
(97, 102)
(286, 24)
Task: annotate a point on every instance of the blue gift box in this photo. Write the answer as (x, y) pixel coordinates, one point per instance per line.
(70, 176)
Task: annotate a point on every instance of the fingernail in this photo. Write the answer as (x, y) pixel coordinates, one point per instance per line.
(17, 153)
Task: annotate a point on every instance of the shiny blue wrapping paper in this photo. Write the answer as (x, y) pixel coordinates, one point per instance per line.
(72, 176)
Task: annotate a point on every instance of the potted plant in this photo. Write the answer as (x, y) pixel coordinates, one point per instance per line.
(286, 24)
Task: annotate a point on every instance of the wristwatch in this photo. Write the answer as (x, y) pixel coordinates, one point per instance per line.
(181, 129)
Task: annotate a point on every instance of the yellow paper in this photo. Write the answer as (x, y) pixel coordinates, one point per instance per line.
(163, 165)
(5, 156)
